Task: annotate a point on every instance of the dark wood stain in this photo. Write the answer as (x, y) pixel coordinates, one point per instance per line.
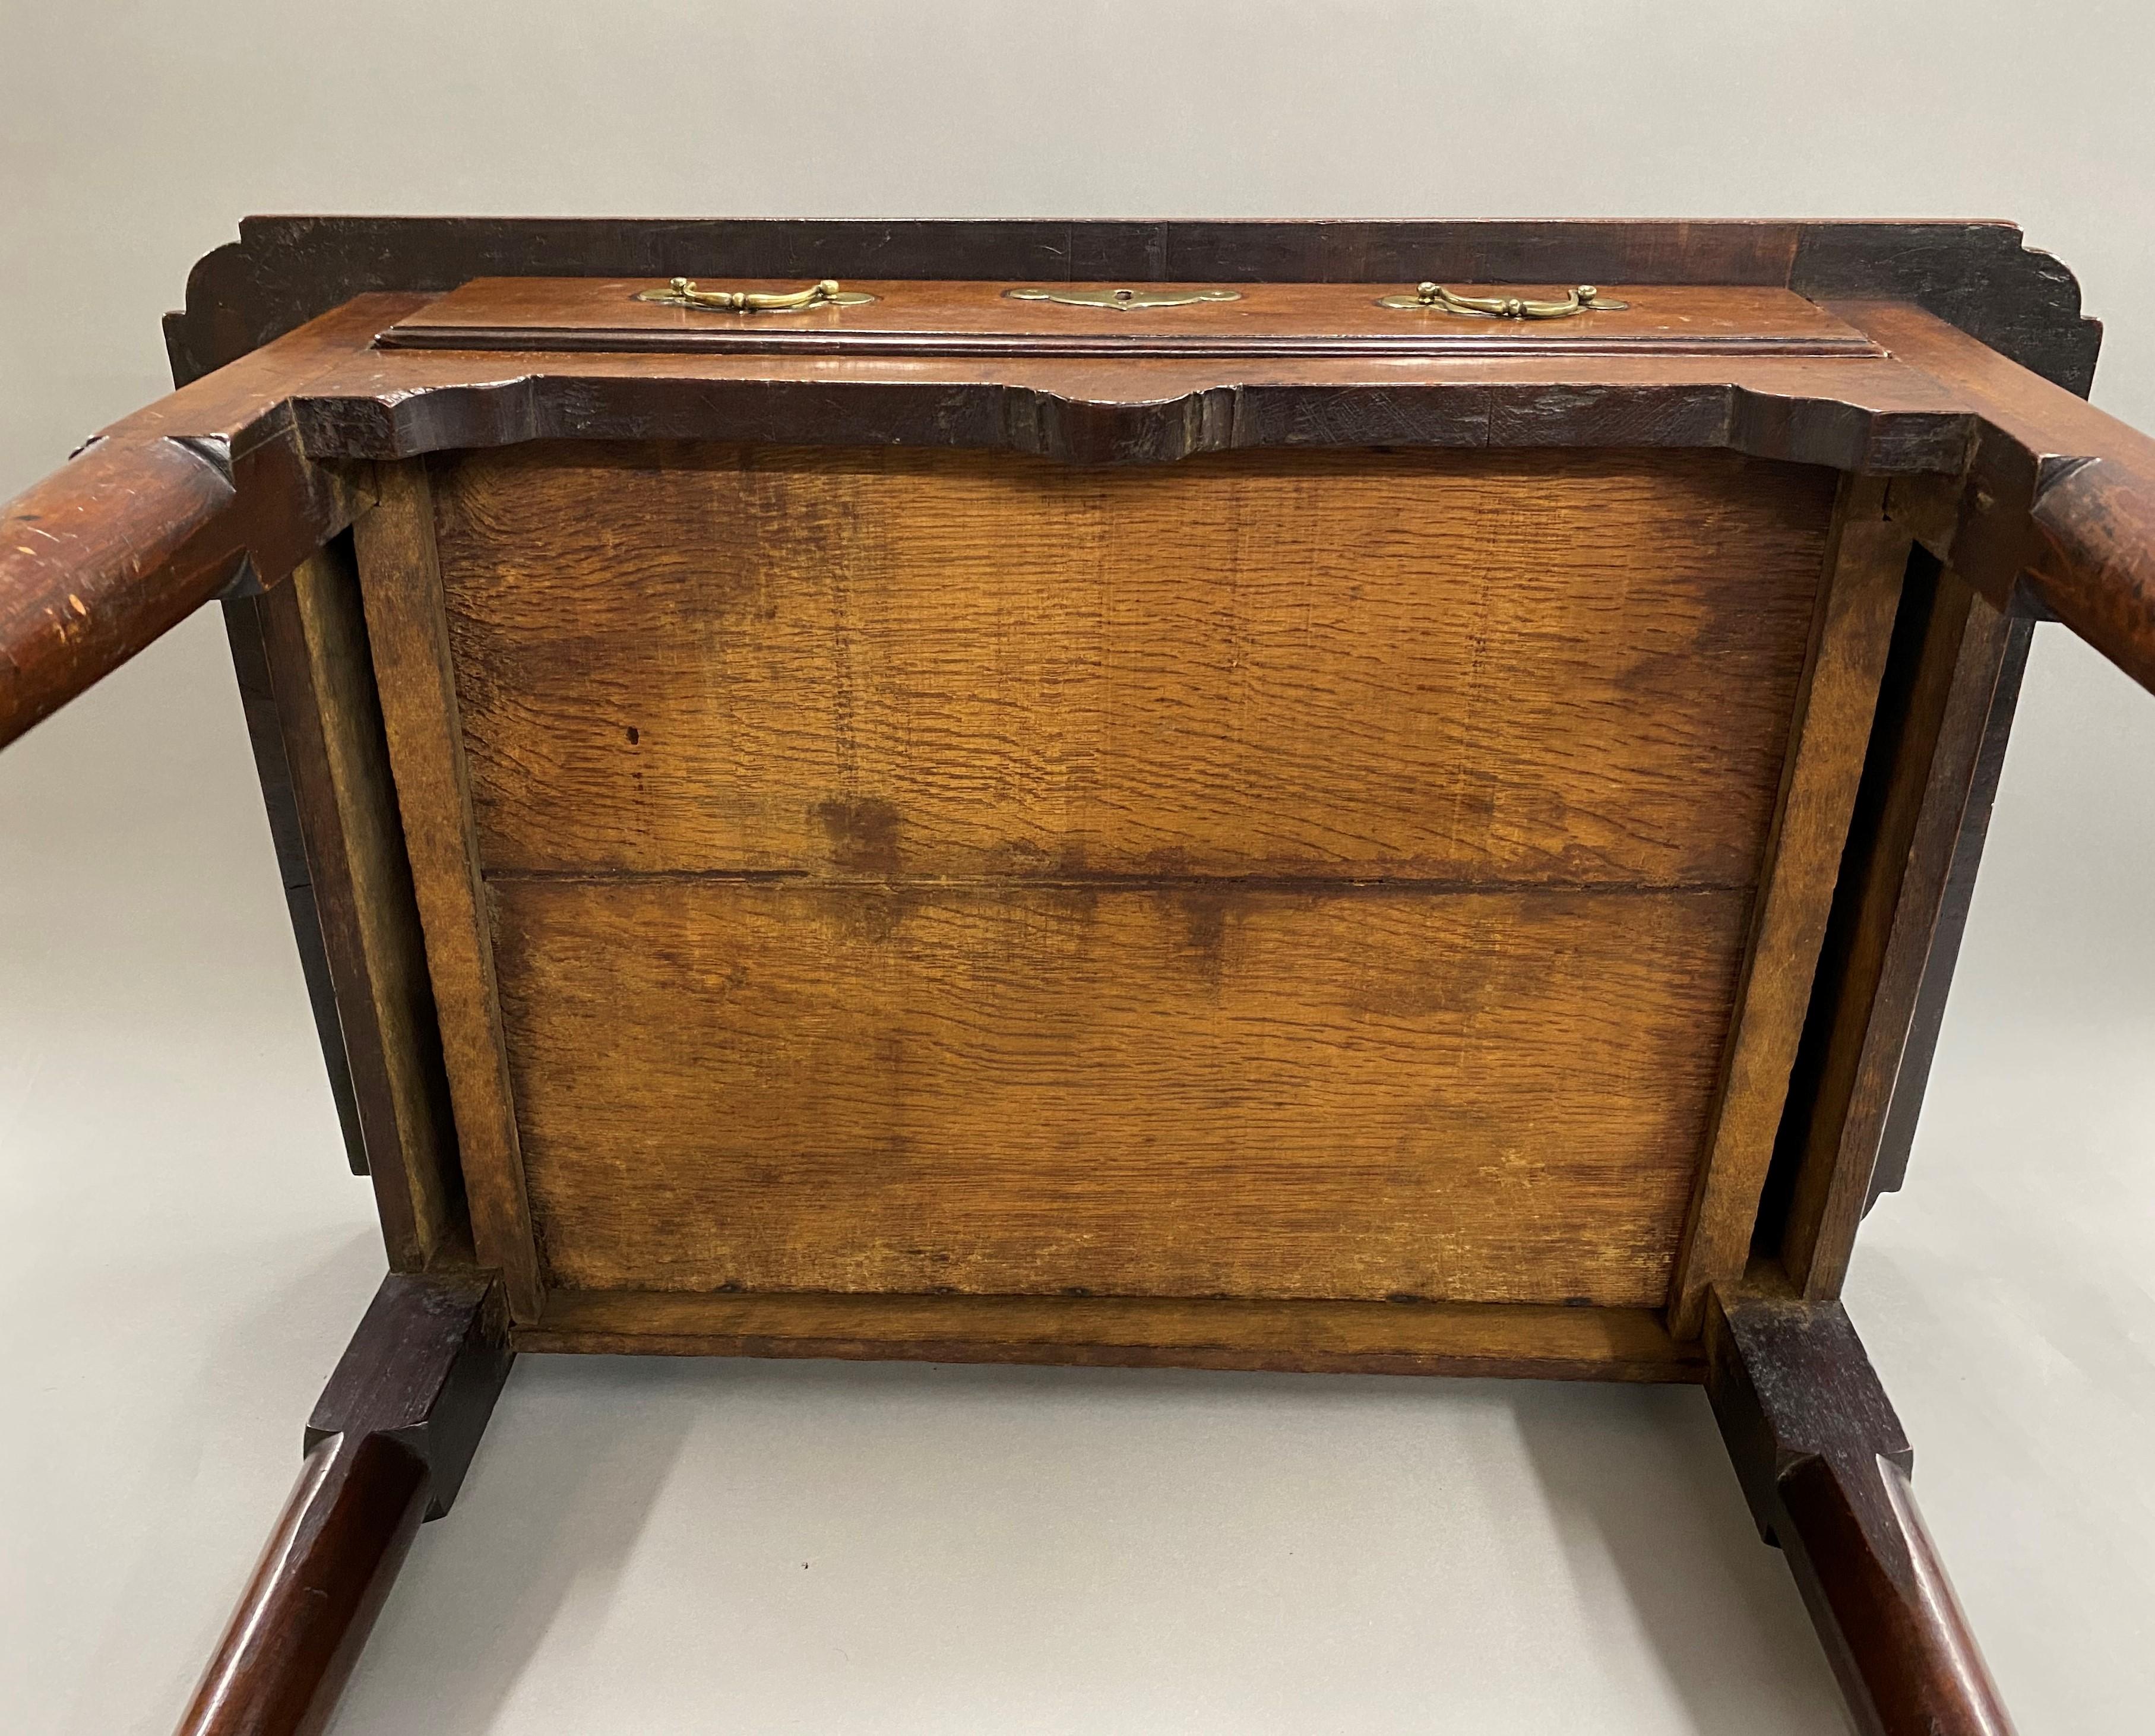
(862, 831)
(1826, 1469)
(388, 1445)
(273, 769)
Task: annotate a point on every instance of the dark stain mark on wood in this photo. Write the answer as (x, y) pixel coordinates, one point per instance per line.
(864, 833)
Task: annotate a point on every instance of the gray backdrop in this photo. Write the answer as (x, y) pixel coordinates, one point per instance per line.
(842, 1549)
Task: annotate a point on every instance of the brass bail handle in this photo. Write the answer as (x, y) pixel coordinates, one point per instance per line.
(683, 292)
(1585, 299)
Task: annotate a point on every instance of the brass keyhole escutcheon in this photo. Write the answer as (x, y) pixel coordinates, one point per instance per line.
(1121, 300)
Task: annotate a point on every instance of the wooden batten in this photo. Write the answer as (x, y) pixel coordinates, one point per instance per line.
(1884, 938)
(314, 641)
(1912, 1077)
(1129, 1332)
(402, 586)
(1854, 629)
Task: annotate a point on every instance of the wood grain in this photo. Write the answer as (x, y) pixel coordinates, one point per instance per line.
(377, 950)
(1365, 1338)
(1884, 936)
(1196, 1090)
(1487, 669)
(424, 1367)
(1864, 573)
(100, 559)
(410, 645)
(1926, 1024)
(292, 1642)
(205, 488)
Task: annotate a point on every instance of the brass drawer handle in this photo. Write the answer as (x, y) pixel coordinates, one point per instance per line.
(1585, 299)
(1121, 300)
(683, 292)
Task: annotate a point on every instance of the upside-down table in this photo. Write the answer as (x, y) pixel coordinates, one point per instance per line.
(1320, 797)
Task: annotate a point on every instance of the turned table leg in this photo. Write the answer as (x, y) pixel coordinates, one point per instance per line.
(1826, 1467)
(388, 1445)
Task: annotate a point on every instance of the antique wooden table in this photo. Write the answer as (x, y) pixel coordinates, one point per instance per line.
(1315, 796)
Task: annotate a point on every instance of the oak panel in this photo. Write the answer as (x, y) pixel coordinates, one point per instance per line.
(1186, 1090)
(1480, 667)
